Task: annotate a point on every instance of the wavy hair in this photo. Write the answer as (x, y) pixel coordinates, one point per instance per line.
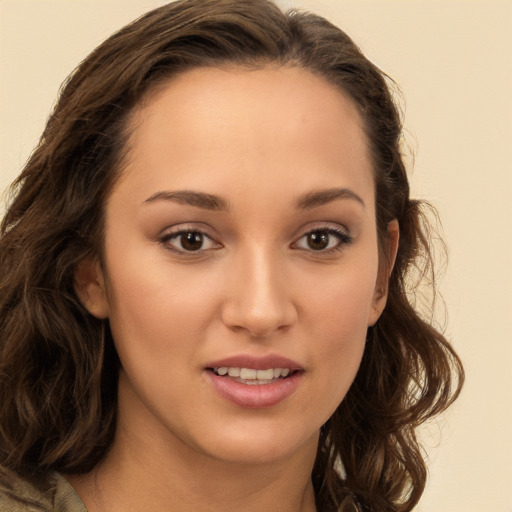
(58, 366)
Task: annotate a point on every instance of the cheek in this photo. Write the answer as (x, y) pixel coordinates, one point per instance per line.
(158, 321)
(147, 291)
(341, 337)
(341, 298)
(157, 315)
(338, 322)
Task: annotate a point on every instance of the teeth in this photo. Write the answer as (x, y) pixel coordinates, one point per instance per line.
(248, 374)
(251, 373)
(234, 372)
(265, 374)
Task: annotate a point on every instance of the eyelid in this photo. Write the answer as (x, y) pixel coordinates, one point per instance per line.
(174, 232)
(342, 233)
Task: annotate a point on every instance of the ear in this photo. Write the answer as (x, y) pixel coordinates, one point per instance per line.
(380, 295)
(90, 287)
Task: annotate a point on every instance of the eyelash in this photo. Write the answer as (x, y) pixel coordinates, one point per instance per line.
(342, 236)
(167, 239)
(343, 239)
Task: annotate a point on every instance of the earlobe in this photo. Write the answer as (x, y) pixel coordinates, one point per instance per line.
(381, 289)
(90, 287)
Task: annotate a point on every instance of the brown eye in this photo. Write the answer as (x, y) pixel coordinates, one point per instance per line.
(324, 240)
(188, 241)
(318, 240)
(192, 241)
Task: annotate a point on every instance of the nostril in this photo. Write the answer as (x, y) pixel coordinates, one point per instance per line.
(258, 301)
(259, 325)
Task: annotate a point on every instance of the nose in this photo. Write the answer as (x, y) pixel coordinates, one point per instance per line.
(258, 296)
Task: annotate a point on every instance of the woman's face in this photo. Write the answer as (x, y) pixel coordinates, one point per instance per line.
(240, 266)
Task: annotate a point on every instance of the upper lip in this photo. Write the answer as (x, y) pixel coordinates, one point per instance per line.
(255, 362)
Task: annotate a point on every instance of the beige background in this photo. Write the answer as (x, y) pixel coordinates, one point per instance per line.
(453, 60)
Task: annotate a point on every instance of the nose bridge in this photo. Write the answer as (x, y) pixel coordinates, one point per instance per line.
(259, 299)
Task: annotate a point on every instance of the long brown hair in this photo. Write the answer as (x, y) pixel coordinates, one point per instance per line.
(58, 367)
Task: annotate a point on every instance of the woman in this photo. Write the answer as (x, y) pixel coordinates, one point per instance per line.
(204, 288)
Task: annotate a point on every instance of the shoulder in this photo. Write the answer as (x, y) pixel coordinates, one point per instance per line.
(42, 494)
(20, 495)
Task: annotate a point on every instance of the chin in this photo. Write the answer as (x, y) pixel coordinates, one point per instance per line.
(261, 444)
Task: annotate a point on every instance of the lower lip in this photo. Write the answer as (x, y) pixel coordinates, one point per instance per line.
(255, 396)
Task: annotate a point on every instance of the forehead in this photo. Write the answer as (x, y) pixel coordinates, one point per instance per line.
(275, 123)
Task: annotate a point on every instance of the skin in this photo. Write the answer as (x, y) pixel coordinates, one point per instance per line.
(262, 142)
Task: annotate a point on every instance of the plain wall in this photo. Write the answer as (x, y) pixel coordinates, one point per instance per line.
(453, 61)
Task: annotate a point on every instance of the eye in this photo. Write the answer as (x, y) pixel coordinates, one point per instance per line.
(324, 240)
(189, 240)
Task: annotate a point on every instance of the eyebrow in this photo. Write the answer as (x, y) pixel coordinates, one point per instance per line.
(321, 197)
(188, 197)
(211, 202)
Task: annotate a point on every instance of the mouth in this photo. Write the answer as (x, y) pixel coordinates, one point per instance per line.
(255, 382)
(253, 376)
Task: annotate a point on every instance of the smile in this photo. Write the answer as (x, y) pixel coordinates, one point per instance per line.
(252, 376)
(255, 382)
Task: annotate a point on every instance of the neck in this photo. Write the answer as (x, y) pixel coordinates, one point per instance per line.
(147, 470)
(138, 481)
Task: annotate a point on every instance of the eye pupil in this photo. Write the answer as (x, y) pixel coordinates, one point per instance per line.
(192, 241)
(318, 240)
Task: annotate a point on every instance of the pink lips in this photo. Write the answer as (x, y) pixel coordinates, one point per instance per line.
(255, 395)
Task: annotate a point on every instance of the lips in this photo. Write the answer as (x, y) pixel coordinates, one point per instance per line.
(247, 375)
(255, 382)
(257, 363)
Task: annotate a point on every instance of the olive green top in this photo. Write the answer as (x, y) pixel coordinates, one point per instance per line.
(53, 494)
